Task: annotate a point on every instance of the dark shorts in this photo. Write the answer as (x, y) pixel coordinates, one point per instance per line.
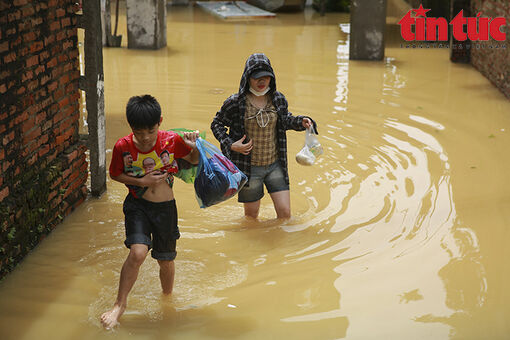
(271, 176)
(153, 224)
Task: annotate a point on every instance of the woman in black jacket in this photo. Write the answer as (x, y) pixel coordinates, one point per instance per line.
(251, 128)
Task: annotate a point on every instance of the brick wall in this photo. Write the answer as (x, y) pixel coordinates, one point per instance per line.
(494, 63)
(42, 163)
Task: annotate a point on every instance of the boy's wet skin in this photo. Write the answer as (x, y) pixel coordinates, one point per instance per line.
(155, 210)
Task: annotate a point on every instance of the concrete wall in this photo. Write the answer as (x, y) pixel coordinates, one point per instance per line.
(494, 63)
(42, 162)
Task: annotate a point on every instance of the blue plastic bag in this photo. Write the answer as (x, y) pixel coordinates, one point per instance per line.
(187, 171)
(217, 177)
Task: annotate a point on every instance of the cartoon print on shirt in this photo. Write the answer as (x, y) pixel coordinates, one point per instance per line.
(129, 169)
(146, 163)
(168, 160)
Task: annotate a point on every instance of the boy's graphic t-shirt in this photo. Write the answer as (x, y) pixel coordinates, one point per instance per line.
(126, 158)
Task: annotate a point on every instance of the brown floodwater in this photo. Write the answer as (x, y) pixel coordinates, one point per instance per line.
(399, 231)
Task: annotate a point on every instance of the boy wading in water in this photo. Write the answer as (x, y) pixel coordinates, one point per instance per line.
(251, 128)
(149, 208)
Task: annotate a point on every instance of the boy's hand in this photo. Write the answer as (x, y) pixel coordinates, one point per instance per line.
(245, 148)
(190, 138)
(153, 178)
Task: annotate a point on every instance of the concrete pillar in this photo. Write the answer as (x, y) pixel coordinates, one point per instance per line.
(460, 51)
(94, 91)
(106, 21)
(146, 24)
(368, 22)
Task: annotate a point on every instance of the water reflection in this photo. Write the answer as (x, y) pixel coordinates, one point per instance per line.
(399, 230)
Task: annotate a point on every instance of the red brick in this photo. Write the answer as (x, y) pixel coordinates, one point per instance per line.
(4, 46)
(23, 51)
(33, 85)
(49, 40)
(64, 102)
(61, 35)
(3, 88)
(52, 195)
(25, 25)
(8, 138)
(16, 42)
(32, 159)
(60, 12)
(5, 74)
(72, 32)
(28, 11)
(10, 57)
(21, 90)
(10, 31)
(67, 44)
(5, 166)
(73, 54)
(52, 63)
(13, 16)
(52, 86)
(64, 80)
(31, 135)
(36, 21)
(36, 47)
(27, 76)
(59, 93)
(55, 25)
(44, 79)
(20, 2)
(4, 193)
(66, 22)
(39, 69)
(21, 117)
(28, 37)
(43, 56)
(28, 124)
(44, 150)
(57, 72)
(31, 61)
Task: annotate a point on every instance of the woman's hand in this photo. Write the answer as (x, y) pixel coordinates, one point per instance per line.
(307, 123)
(190, 138)
(241, 147)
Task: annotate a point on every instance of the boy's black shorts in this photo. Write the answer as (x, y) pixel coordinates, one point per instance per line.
(153, 224)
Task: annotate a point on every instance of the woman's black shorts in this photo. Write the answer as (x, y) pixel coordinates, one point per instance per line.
(153, 224)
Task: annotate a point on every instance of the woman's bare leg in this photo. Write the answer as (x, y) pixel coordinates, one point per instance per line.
(281, 202)
(251, 209)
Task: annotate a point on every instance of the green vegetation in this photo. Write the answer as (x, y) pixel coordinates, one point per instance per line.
(26, 214)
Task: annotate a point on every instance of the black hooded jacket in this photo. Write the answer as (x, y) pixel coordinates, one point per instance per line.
(228, 124)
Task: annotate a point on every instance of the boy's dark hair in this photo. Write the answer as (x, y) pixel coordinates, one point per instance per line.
(143, 112)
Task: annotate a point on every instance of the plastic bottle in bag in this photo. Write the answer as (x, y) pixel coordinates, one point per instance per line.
(311, 150)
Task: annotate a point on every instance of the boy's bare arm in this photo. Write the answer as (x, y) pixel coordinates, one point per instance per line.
(189, 139)
(193, 156)
(148, 180)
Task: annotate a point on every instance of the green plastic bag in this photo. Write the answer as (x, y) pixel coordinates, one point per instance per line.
(187, 171)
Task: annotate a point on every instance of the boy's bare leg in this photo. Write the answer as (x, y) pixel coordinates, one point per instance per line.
(166, 276)
(251, 209)
(128, 275)
(281, 202)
